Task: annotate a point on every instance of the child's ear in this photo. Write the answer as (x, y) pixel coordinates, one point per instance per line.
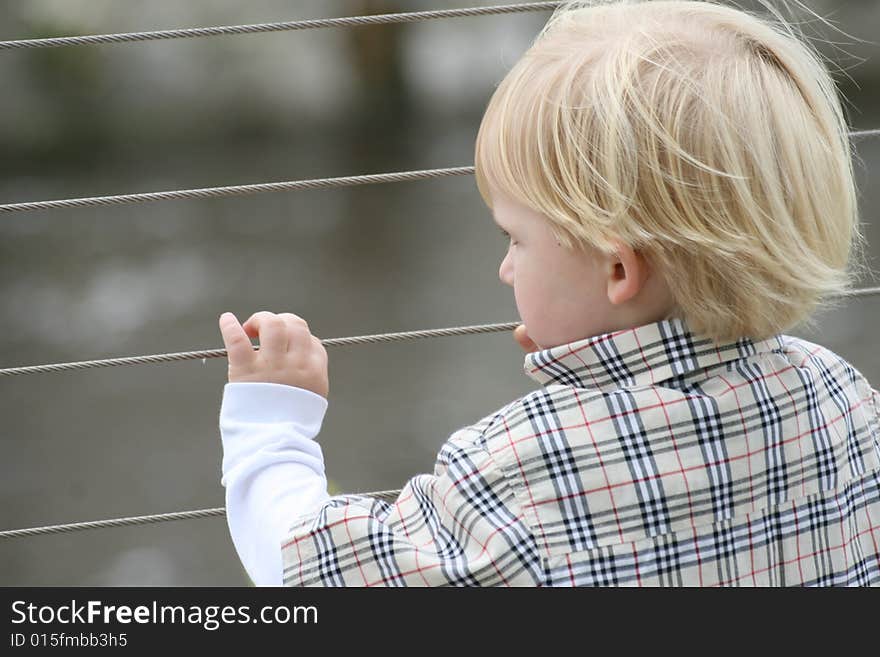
(627, 273)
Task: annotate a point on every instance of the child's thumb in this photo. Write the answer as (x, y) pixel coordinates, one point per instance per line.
(520, 334)
(238, 347)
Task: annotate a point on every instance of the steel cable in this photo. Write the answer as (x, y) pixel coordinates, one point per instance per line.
(237, 190)
(287, 26)
(219, 353)
(387, 495)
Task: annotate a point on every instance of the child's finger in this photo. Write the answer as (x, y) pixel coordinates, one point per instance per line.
(520, 334)
(238, 347)
(271, 330)
(297, 330)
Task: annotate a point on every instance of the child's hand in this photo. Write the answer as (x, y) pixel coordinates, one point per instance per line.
(522, 338)
(288, 353)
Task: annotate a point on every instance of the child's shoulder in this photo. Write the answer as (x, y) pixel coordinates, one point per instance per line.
(803, 353)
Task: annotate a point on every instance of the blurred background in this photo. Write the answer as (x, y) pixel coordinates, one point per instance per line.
(92, 283)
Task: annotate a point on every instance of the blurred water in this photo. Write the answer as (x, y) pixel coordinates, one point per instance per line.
(92, 283)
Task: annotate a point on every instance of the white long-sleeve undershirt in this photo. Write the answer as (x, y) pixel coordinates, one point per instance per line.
(273, 469)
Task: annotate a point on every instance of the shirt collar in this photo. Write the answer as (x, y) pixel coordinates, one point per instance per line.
(644, 355)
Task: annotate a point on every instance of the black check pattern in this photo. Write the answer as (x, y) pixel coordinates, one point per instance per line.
(649, 457)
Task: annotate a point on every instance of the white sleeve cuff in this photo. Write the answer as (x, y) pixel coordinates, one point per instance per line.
(274, 402)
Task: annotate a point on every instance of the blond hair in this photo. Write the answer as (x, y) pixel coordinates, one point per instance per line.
(707, 137)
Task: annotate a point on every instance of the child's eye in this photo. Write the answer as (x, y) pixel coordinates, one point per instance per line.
(507, 236)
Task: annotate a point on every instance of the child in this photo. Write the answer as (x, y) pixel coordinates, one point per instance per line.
(676, 182)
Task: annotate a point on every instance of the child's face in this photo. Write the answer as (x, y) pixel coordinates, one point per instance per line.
(561, 295)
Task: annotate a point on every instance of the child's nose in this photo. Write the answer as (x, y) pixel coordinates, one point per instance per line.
(505, 272)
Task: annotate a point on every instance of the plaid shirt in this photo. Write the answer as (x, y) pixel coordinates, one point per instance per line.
(650, 456)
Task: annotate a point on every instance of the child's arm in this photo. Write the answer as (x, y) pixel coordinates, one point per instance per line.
(273, 407)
